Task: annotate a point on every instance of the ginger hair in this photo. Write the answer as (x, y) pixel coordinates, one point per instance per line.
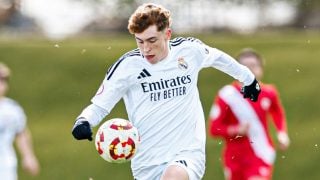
(147, 15)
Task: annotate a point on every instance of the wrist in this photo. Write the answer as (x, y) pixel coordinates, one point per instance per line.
(283, 138)
(239, 130)
(80, 120)
(233, 130)
(249, 79)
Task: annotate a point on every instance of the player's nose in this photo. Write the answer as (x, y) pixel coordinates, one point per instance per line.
(146, 48)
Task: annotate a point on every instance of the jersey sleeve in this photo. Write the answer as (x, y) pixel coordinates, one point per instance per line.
(213, 57)
(20, 118)
(93, 114)
(277, 111)
(113, 87)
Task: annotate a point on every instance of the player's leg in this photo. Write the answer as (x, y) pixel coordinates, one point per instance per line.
(175, 172)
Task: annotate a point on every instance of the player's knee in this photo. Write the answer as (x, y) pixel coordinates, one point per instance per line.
(175, 173)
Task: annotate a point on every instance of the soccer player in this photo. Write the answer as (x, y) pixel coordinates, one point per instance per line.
(158, 82)
(13, 128)
(249, 152)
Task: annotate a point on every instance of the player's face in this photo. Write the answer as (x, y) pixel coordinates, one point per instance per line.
(153, 44)
(254, 65)
(3, 86)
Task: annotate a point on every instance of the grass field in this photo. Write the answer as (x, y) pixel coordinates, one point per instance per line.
(55, 80)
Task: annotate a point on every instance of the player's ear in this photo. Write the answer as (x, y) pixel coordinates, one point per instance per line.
(168, 33)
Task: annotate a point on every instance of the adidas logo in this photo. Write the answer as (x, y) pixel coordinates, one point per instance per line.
(144, 74)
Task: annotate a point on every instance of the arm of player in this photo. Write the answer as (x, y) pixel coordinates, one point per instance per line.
(24, 145)
(225, 63)
(219, 123)
(90, 117)
(283, 140)
(230, 66)
(217, 127)
(279, 119)
(213, 57)
(238, 130)
(110, 92)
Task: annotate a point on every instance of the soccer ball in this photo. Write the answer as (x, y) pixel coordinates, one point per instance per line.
(117, 140)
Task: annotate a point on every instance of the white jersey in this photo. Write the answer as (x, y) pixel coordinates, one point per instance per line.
(12, 122)
(162, 99)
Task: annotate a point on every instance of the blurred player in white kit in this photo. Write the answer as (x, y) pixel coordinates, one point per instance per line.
(158, 82)
(13, 128)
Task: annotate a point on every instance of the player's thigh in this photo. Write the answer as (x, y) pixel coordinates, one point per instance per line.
(175, 172)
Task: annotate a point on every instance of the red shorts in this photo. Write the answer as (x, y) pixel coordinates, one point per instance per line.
(245, 166)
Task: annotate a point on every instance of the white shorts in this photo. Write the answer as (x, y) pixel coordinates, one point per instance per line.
(193, 163)
(8, 173)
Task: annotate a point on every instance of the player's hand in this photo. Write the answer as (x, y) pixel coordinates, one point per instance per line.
(283, 140)
(31, 165)
(252, 91)
(239, 130)
(82, 130)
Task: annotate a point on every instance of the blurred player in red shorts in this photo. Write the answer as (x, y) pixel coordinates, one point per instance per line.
(249, 153)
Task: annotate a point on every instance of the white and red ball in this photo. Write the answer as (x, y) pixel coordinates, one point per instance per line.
(117, 140)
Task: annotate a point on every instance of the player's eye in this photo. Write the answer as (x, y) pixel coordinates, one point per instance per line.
(152, 40)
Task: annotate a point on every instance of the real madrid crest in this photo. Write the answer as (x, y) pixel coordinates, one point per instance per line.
(182, 64)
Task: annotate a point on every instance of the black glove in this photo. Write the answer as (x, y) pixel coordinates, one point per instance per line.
(252, 91)
(82, 130)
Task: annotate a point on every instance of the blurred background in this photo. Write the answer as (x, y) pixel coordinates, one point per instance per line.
(64, 18)
(59, 52)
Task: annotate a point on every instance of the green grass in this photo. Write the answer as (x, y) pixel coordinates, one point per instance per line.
(54, 81)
